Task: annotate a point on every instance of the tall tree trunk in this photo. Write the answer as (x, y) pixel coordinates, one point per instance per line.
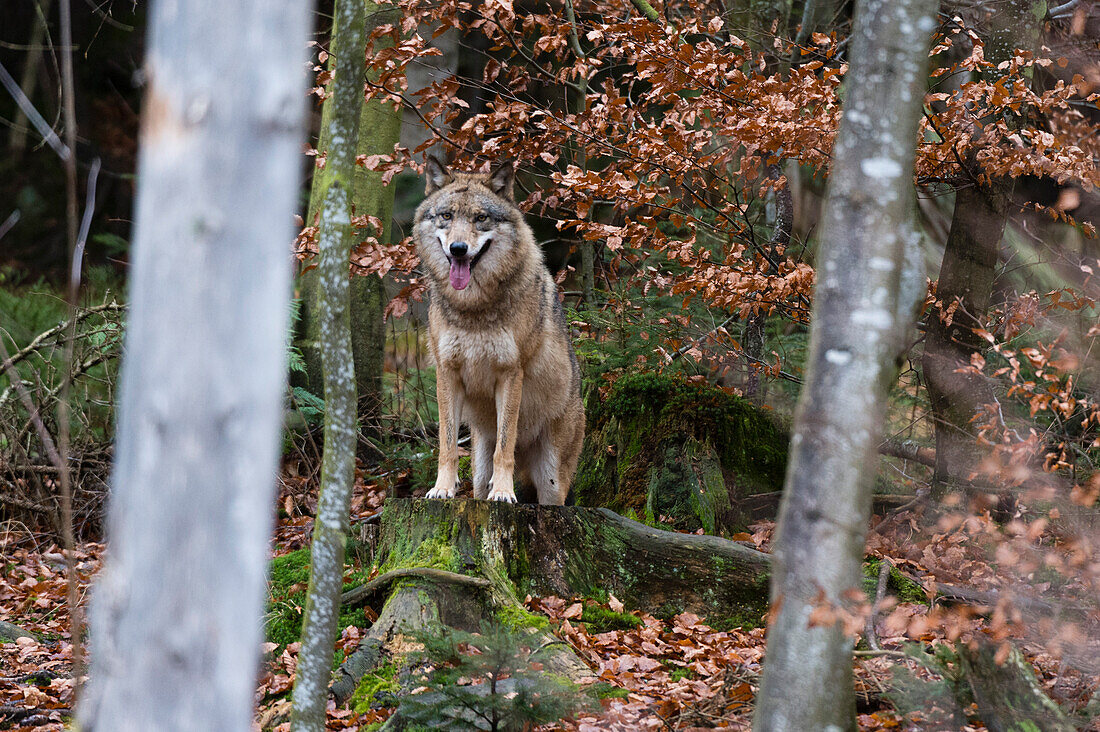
(176, 613)
(857, 330)
(966, 278)
(334, 341)
(965, 284)
(379, 130)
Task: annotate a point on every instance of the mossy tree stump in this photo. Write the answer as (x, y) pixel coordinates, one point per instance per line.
(658, 446)
(1009, 697)
(459, 563)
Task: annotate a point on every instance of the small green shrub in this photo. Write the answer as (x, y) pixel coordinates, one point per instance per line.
(487, 681)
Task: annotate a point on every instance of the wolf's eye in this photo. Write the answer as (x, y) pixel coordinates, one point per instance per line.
(481, 218)
(446, 215)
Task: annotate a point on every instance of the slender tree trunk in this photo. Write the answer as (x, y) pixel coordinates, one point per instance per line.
(965, 284)
(782, 219)
(18, 141)
(176, 613)
(857, 330)
(380, 129)
(334, 341)
(580, 106)
(816, 15)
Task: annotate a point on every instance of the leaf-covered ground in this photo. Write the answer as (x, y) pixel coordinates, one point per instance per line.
(677, 673)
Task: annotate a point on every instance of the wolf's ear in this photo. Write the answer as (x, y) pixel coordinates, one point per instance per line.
(501, 177)
(436, 173)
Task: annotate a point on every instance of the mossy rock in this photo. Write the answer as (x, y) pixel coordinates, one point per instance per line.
(660, 446)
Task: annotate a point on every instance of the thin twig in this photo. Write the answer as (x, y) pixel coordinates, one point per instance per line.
(28, 403)
(41, 338)
(9, 222)
(35, 118)
(880, 594)
(82, 237)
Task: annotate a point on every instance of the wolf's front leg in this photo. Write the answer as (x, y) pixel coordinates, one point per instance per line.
(508, 392)
(448, 392)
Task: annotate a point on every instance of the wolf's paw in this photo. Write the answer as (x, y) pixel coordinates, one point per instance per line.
(441, 491)
(506, 494)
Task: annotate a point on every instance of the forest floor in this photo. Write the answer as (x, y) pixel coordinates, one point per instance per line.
(675, 673)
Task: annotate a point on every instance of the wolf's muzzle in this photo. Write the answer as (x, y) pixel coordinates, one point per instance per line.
(459, 249)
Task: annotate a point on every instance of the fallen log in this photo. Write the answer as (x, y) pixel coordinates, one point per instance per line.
(504, 552)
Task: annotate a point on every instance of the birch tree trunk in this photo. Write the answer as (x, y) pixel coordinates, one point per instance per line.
(857, 330)
(176, 614)
(333, 324)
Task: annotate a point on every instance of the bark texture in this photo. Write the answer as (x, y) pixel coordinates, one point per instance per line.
(176, 612)
(858, 325)
(333, 323)
(379, 128)
(541, 550)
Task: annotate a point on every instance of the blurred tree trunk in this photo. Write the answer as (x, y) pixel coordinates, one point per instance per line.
(379, 130)
(332, 318)
(754, 20)
(967, 274)
(860, 318)
(817, 15)
(780, 216)
(580, 158)
(18, 141)
(176, 613)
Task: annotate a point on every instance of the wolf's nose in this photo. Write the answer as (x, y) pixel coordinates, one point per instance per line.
(459, 249)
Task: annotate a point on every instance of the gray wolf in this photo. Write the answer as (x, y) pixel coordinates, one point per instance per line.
(499, 339)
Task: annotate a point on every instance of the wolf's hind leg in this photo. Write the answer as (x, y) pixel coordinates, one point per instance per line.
(482, 444)
(544, 465)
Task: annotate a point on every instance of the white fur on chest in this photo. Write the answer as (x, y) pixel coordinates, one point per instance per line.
(479, 357)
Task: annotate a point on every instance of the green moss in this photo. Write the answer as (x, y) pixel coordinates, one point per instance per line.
(376, 688)
(905, 589)
(435, 550)
(604, 690)
(600, 619)
(661, 446)
(681, 673)
(287, 597)
(515, 617)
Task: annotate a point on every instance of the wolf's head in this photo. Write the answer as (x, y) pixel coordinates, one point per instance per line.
(468, 229)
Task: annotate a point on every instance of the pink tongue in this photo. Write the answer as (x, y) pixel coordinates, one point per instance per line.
(460, 273)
